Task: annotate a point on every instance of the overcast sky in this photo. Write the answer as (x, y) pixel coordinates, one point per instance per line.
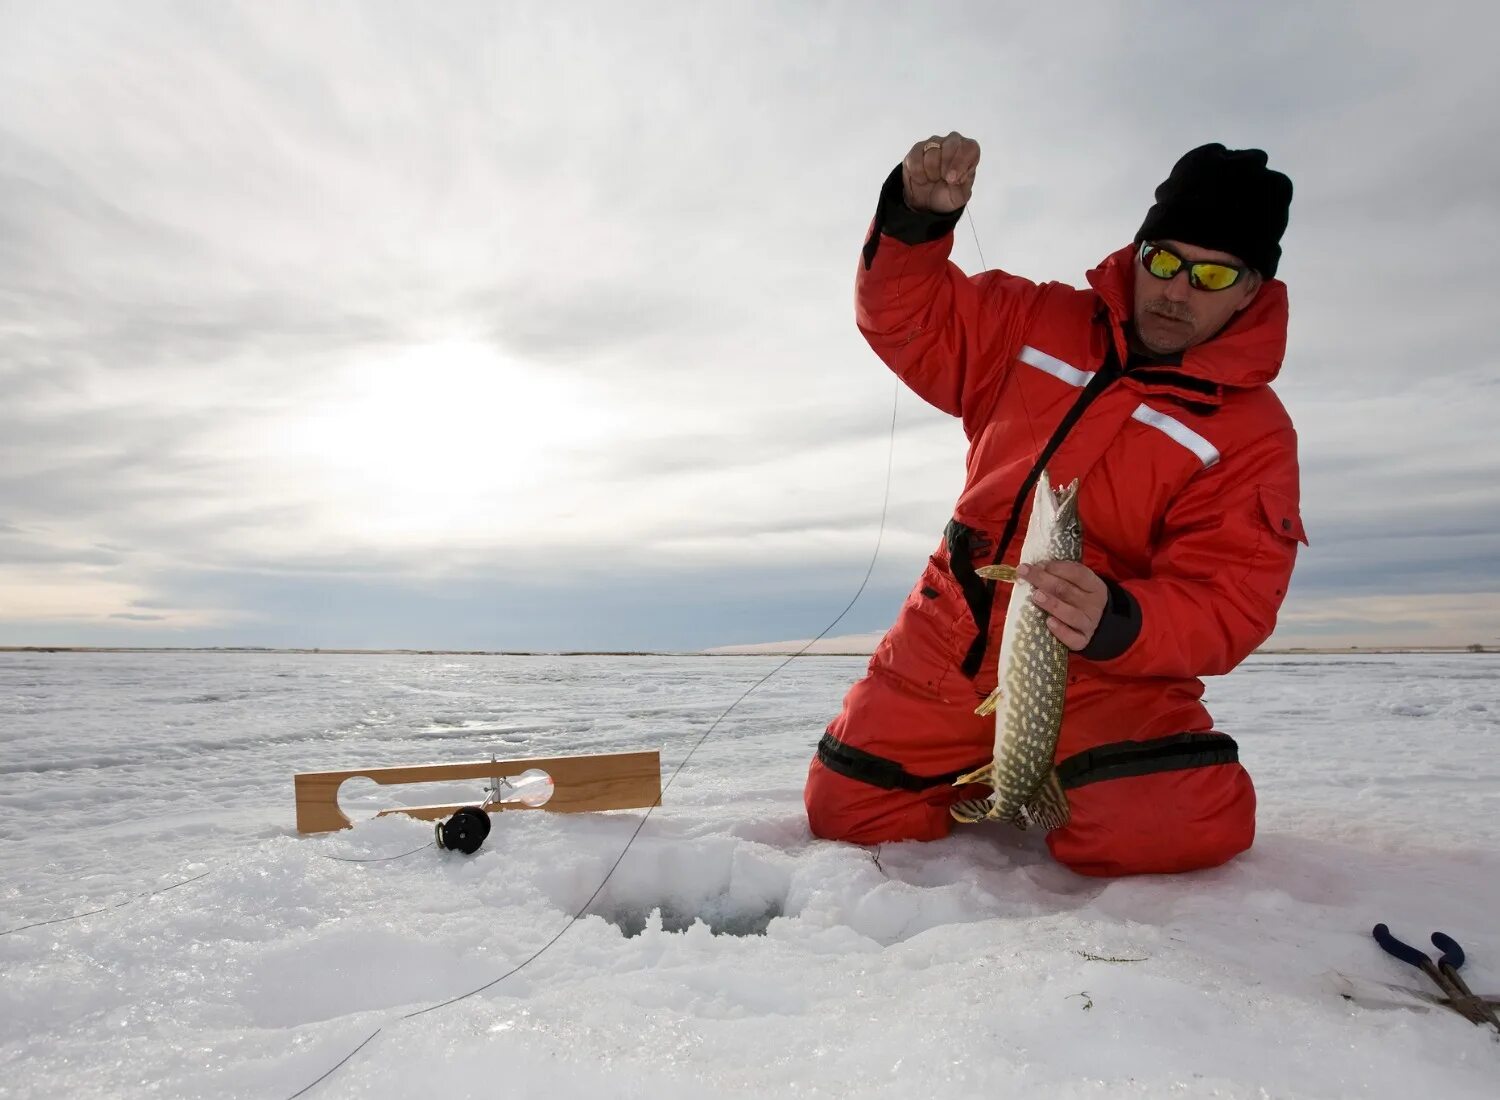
(530, 326)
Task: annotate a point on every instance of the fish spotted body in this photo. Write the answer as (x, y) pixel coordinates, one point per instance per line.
(1033, 677)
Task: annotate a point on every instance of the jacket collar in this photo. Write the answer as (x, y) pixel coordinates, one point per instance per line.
(1246, 354)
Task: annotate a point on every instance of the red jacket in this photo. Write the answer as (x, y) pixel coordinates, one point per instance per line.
(1188, 480)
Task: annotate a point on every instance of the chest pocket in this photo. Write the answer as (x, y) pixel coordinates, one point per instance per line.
(1281, 514)
(1268, 565)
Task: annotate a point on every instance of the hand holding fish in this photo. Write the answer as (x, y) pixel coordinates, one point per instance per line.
(1072, 594)
(938, 174)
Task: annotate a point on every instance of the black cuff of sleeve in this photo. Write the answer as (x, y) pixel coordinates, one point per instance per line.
(1118, 628)
(895, 219)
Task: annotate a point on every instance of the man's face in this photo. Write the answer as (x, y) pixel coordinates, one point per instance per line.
(1171, 316)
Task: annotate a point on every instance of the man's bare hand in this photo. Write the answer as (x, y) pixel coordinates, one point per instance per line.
(1072, 595)
(938, 173)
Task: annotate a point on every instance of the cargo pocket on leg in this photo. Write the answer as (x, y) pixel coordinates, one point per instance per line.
(926, 646)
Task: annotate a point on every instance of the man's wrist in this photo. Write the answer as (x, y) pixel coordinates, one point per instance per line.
(894, 218)
(907, 225)
(1118, 628)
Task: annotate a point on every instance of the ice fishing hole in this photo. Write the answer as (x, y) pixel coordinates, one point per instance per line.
(722, 920)
(729, 886)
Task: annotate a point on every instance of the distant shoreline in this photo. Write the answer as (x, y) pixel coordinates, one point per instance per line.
(1279, 651)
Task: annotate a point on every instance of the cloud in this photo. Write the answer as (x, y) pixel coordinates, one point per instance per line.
(662, 609)
(401, 309)
(25, 551)
(1457, 618)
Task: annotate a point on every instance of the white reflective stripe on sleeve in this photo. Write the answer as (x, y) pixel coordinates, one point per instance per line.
(1207, 453)
(1055, 367)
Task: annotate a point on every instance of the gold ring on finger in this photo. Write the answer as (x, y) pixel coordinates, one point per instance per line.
(932, 145)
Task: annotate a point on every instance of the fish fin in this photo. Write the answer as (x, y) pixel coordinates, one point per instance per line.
(972, 810)
(990, 703)
(985, 775)
(1005, 573)
(1048, 807)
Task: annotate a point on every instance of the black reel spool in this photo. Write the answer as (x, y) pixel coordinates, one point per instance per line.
(464, 831)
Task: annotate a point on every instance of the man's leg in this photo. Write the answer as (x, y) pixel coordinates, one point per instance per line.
(1156, 823)
(840, 808)
(884, 717)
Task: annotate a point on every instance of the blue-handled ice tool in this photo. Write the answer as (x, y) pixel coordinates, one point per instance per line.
(1444, 973)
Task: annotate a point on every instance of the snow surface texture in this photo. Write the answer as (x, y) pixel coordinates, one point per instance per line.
(731, 954)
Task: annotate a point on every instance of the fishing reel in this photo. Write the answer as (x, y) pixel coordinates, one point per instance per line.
(466, 830)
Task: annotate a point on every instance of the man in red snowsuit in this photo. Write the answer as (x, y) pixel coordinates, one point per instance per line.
(1152, 388)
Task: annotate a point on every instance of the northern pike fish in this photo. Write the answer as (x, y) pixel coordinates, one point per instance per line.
(1033, 676)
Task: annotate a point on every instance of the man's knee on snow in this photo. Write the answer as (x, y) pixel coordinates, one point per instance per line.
(840, 808)
(1160, 823)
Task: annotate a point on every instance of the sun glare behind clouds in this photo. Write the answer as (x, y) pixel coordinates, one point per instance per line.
(445, 441)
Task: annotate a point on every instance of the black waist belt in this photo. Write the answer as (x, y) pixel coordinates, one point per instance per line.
(1115, 761)
(1160, 754)
(878, 771)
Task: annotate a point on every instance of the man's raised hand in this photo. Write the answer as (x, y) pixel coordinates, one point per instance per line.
(938, 174)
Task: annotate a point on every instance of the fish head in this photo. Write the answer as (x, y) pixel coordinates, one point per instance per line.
(1065, 500)
(1054, 531)
(1065, 533)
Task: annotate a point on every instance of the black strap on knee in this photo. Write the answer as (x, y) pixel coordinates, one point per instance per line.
(1122, 759)
(877, 771)
(1118, 760)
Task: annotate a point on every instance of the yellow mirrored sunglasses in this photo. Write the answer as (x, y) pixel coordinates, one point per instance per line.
(1202, 275)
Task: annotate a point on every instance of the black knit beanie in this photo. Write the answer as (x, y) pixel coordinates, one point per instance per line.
(1226, 200)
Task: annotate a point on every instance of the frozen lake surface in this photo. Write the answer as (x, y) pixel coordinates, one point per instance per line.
(730, 952)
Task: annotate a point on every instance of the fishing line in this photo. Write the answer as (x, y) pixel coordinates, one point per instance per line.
(377, 859)
(1030, 420)
(583, 909)
(972, 229)
(107, 908)
(195, 878)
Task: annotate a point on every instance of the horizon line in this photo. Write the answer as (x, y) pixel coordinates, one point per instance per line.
(748, 650)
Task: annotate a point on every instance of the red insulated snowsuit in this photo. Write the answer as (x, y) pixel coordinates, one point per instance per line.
(1189, 503)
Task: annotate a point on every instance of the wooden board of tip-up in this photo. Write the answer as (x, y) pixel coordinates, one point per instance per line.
(597, 781)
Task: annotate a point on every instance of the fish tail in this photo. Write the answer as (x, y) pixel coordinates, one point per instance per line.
(1048, 807)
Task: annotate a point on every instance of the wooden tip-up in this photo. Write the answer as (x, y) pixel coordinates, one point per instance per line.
(599, 781)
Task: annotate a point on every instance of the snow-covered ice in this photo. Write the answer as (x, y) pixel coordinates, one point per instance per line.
(730, 953)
